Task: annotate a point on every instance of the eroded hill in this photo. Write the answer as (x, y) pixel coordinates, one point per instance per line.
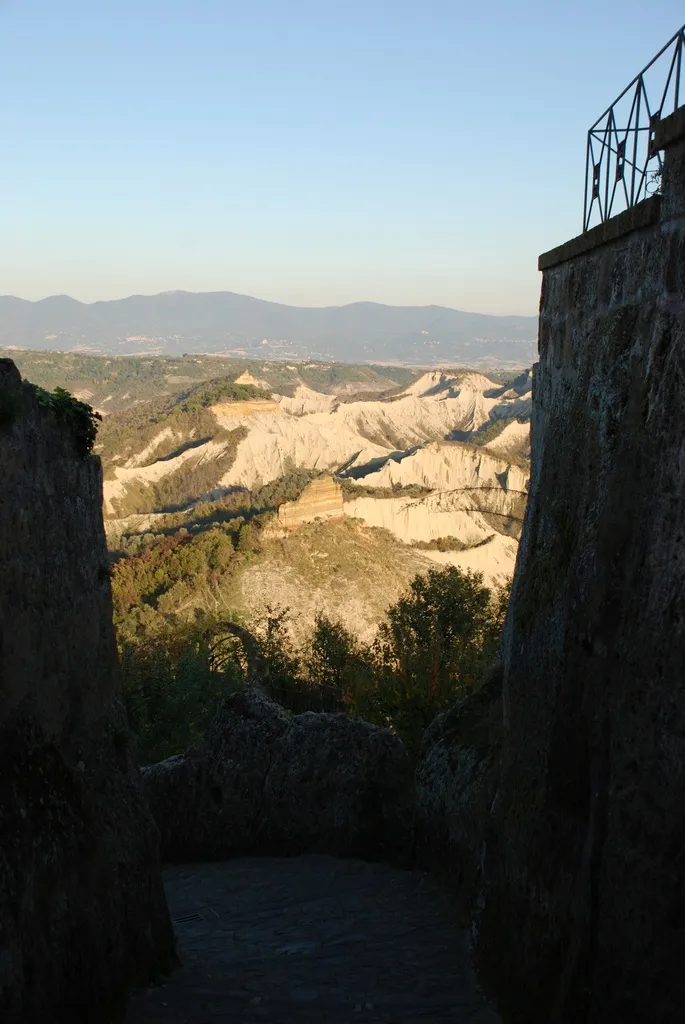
(114, 383)
(432, 473)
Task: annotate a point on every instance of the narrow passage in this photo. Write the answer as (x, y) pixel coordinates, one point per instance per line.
(312, 940)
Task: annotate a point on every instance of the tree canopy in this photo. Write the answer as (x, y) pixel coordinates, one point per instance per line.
(437, 644)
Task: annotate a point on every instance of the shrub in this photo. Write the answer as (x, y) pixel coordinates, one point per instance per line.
(436, 646)
(80, 418)
(172, 687)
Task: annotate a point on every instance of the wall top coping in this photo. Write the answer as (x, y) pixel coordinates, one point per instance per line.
(671, 130)
(667, 133)
(643, 215)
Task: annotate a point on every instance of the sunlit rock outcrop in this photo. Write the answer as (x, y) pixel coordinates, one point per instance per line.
(321, 499)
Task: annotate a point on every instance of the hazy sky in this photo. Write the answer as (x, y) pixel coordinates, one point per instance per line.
(306, 151)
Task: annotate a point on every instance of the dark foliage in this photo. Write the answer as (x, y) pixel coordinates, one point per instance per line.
(435, 647)
(78, 417)
(221, 389)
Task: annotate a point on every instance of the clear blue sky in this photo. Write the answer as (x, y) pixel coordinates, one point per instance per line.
(307, 151)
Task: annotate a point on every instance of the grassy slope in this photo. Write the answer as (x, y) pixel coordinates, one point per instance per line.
(118, 382)
(126, 380)
(351, 572)
(321, 566)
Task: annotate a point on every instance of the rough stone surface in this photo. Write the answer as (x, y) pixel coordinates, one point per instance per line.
(82, 910)
(642, 215)
(671, 130)
(457, 775)
(208, 802)
(566, 831)
(266, 782)
(313, 940)
(579, 903)
(321, 499)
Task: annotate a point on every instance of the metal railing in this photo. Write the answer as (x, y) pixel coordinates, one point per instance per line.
(623, 166)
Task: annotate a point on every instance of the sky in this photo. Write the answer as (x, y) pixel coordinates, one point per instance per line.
(312, 152)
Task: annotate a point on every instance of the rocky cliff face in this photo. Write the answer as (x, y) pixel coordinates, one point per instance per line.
(321, 499)
(82, 910)
(574, 855)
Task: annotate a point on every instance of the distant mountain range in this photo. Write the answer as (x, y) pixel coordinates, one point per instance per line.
(172, 323)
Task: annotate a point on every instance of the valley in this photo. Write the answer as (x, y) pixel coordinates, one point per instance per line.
(427, 474)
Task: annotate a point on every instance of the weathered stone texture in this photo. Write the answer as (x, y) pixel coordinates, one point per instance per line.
(577, 869)
(456, 782)
(264, 781)
(82, 910)
(593, 781)
(321, 499)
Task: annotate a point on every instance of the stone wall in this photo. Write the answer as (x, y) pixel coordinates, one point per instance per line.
(576, 860)
(321, 499)
(591, 819)
(265, 782)
(82, 909)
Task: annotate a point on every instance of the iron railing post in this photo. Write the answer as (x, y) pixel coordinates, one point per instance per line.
(613, 141)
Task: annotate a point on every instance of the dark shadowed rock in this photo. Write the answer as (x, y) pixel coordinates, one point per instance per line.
(208, 802)
(578, 907)
(264, 781)
(339, 785)
(456, 786)
(82, 909)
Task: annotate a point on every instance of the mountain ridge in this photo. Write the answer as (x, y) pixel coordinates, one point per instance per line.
(228, 322)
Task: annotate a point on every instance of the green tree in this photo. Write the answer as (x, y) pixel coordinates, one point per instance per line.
(247, 539)
(172, 686)
(332, 648)
(280, 665)
(437, 644)
(435, 647)
(337, 661)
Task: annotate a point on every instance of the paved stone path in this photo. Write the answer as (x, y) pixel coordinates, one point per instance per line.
(312, 940)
